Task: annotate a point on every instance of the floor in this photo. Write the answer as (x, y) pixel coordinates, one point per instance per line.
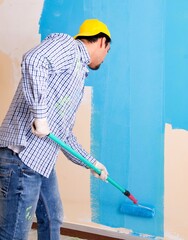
(33, 236)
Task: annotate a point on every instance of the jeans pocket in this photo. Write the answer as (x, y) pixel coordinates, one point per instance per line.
(27, 171)
(5, 176)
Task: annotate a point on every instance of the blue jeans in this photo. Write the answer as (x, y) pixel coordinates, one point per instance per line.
(23, 193)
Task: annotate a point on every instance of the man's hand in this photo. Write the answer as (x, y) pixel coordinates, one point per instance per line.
(104, 173)
(40, 127)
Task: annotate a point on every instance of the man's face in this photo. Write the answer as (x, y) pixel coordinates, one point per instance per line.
(100, 54)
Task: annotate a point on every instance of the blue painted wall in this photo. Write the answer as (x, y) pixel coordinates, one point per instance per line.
(176, 71)
(128, 123)
(127, 105)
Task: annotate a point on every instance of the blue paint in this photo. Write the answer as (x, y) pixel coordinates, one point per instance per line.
(127, 104)
(61, 16)
(176, 71)
(149, 237)
(128, 125)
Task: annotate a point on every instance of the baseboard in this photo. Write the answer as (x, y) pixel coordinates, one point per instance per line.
(91, 233)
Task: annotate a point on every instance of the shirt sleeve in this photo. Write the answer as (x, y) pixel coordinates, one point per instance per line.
(34, 83)
(73, 143)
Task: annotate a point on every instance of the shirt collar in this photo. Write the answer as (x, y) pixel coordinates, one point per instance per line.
(85, 58)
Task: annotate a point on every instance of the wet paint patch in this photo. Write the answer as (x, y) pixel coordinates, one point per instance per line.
(28, 214)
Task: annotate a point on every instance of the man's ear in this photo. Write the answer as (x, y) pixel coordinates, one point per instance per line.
(102, 41)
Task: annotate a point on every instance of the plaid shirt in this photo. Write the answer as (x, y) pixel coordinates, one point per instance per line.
(51, 87)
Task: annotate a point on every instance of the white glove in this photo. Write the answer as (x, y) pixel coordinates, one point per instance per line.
(104, 173)
(40, 127)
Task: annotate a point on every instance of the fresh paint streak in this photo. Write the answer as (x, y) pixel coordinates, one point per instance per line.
(127, 118)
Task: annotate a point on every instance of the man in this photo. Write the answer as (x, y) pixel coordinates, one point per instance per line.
(46, 100)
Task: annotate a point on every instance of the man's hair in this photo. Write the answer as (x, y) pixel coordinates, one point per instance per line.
(94, 38)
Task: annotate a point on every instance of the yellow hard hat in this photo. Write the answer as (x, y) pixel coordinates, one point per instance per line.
(92, 27)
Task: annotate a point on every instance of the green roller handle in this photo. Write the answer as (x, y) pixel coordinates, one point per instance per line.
(90, 165)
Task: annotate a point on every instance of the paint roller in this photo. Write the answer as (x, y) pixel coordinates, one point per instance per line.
(133, 209)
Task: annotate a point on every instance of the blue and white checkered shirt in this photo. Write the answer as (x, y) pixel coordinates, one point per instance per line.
(51, 87)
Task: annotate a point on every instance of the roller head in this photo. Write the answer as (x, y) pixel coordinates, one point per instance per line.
(137, 210)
